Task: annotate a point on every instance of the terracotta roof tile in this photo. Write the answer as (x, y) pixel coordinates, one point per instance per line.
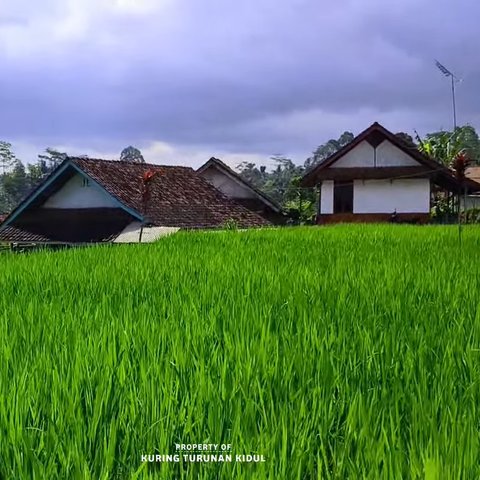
(16, 234)
(178, 196)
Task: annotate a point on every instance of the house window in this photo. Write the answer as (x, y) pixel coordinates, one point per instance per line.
(85, 182)
(343, 197)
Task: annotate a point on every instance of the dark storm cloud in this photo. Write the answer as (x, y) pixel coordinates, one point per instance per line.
(236, 75)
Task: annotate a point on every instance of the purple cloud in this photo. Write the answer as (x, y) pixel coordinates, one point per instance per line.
(257, 77)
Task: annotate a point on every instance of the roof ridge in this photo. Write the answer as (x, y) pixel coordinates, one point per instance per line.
(410, 150)
(155, 165)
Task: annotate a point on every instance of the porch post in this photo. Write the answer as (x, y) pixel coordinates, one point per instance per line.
(319, 203)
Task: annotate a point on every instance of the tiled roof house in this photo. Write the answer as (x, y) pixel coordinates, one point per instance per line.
(88, 200)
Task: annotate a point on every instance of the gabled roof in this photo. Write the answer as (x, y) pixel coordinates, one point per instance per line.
(178, 196)
(376, 134)
(52, 183)
(225, 169)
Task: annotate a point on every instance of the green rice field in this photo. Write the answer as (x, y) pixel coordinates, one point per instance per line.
(344, 352)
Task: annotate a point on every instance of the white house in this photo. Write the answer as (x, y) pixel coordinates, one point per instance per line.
(378, 177)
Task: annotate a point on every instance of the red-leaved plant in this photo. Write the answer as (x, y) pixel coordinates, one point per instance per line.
(460, 164)
(147, 177)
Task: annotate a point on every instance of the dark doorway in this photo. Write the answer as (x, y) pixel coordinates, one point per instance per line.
(343, 197)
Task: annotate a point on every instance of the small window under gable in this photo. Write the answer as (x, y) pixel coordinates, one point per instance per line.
(85, 182)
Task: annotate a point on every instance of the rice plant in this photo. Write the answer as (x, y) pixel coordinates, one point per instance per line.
(336, 353)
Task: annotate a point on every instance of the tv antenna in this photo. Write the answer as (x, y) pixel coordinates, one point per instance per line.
(454, 80)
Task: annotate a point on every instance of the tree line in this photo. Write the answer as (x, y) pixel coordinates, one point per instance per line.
(17, 180)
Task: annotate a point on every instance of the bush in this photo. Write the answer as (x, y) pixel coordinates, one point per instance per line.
(230, 224)
(472, 215)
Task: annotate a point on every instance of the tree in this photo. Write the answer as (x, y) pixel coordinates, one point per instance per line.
(7, 157)
(50, 160)
(445, 145)
(35, 173)
(16, 180)
(278, 182)
(455, 149)
(406, 138)
(252, 174)
(468, 137)
(15, 184)
(7, 161)
(282, 184)
(327, 149)
(442, 146)
(300, 203)
(132, 155)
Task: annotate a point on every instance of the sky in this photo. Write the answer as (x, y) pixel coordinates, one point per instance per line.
(184, 80)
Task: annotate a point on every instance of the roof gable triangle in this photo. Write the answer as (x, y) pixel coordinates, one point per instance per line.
(50, 180)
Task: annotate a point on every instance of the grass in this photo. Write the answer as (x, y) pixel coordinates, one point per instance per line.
(339, 352)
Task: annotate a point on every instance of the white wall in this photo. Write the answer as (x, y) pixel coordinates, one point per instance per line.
(385, 155)
(227, 185)
(388, 155)
(361, 156)
(385, 196)
(326, 197)
(74, 195)
(473, 201)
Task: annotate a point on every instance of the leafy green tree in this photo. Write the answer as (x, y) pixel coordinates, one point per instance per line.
(282, 184)
(7, 161)
(446, 145)
(255, 176)
(443, 146)
(327, 149)
(452, 148)
(7, 157)
(301, 211)
(406, 138)
(51, 159)
(278, 182)
(15, 185)
(16, 180)
(132, 155)
(36, 172)
(300, 203)
(468, 137)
